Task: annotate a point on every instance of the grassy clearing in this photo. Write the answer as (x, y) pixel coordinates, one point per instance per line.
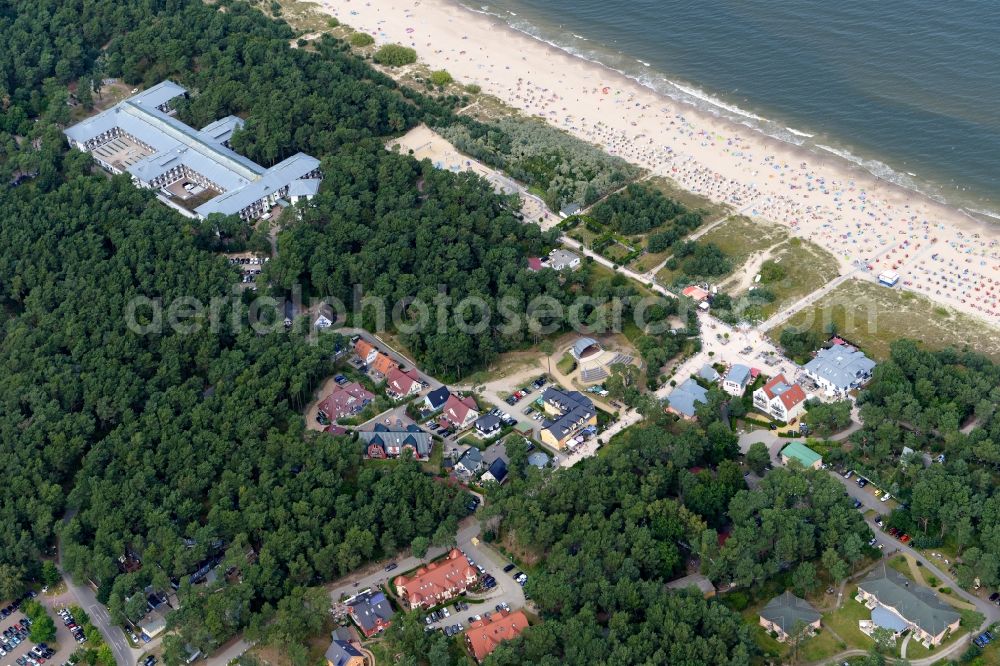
(844, 620)
(873, 317)
(821, 646)
(808, 267)
(739, 237)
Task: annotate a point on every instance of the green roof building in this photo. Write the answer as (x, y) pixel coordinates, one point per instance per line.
(802, 453)
(787, 615)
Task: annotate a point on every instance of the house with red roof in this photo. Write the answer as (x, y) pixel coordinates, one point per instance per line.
(780, 399)
(346, 400)
(460, 412)
(383, 364)
(436, 582)
(534, 264)
(483, 636)
(695, 293)
(365, 350)
(402, 383)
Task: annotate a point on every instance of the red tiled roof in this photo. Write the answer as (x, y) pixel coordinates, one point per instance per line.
(485, 635)
(345, 401)
(401, 382)
(793, 396)
(437, 580)
(697, 293)
(383, 364)
(534, 263)
(790, 397)
(774, 381)
(457, 409)
(363, 348)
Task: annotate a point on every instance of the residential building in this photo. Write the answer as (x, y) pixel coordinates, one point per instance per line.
(483, 636)
(324, 317)
(402, 383)
(385, 443)
(371, 611)
(898, 604)
(560, 260)
(345, 401)
(570, 411)
(461, 412)
(366, 351)
(839, 369)
(799, 451)
(153, 625)
(683, 400)
(497, 472)
(780, 399)
(709, 374)
(470, 462)
(698, 581)
(534, 264)
(788, 616)
(383, 364)
(436, 399)
(697, 294)
(488, 425)
(736, 380)
(342, 653)
(140, 136)
(437, 582)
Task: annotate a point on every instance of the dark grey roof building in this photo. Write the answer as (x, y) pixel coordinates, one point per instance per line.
(787, 614)
(340, 653)
(927, 614)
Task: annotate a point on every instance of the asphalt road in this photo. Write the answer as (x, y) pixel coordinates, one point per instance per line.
(113, 635)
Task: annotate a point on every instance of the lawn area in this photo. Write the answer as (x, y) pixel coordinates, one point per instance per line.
(566, 364)
(646, 262)
(821, 646)
(844, 621)
(433, 466)
(808, 267)
(739, 237)
(873, 316)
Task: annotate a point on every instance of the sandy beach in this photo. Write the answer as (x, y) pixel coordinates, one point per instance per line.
(869, 225)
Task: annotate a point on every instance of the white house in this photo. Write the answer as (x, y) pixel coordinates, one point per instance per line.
(736, 380)
(780, 399)
(839, 369)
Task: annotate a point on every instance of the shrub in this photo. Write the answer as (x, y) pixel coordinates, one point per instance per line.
(361, 39)
(473, 89)
(332, 23)
(738, 601)
(394, 55)
(441, 78)
(772, 272)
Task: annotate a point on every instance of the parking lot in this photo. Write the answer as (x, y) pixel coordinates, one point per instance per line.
(16, 646)
(500, 589)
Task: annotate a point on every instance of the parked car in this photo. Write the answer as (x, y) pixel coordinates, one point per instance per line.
(391, 566)
(508, 568)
